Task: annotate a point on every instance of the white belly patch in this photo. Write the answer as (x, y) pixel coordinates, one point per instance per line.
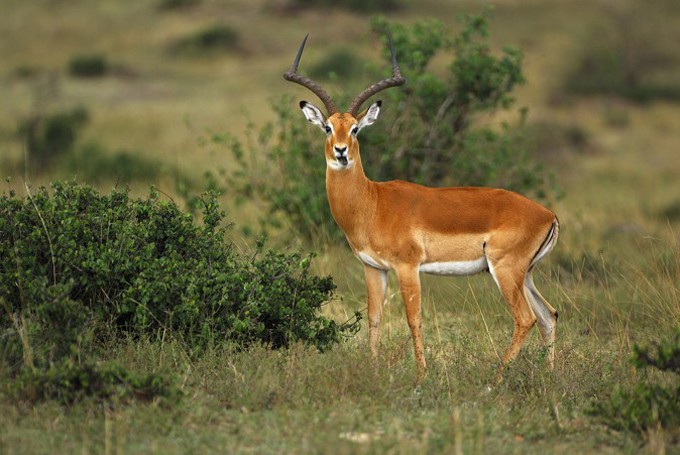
(455, 267)
(435, 268)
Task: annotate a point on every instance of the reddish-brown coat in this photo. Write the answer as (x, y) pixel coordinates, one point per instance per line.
(400, 226)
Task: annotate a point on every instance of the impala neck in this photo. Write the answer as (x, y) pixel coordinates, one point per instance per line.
(350, 196)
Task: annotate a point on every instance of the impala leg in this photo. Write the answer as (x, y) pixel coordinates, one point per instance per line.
(511, 283)
(376, 285)
(409, 284)
(546, 315)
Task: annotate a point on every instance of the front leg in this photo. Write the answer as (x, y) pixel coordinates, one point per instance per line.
(376, 286)
(409, 284)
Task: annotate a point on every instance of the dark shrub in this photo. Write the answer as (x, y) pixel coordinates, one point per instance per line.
(649, 404)
(74, 261)
(214, 39)
(48, 137)
(88, 66)
(69, 382)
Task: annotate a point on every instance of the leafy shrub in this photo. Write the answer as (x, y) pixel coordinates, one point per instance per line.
(552, 140)
(352, 5)
(434, 119)
(430, 132)
(88, 66)
(648, 404)
(340, 63)
(671, 213)
(216, 38)
(666, 358)
(75, 261)
(69, 382)
(92, 163)
(623, 57)
(48, 137)
(169, 5)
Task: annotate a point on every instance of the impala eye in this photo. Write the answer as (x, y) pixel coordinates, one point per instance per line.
(355, 130)
(328, 129)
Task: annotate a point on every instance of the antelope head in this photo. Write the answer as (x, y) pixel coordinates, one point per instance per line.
(341, 129)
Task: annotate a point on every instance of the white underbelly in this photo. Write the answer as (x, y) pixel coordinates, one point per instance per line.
(435, 268)
(455, 267)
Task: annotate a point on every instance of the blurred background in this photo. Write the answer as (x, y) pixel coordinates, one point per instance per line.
(575, 103)
(164, 91)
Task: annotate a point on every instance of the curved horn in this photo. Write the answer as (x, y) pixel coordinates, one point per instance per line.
(292, 76)
(396, 80)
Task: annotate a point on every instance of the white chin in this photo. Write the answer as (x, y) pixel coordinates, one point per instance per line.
(337, 166)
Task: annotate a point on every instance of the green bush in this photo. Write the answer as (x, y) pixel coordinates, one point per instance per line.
(76, 263)
(352, 5)
(624, 57)
(213, 39)
(430, 132)
(92, 163)
(171, 5)
(88, 66)
(648, 404)
(51, 136)
(69, 382)
(340, 63)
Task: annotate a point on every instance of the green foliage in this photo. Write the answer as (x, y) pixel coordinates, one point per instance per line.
(340, 63)
(50, 136)
(648, 404)
(430, 132)
(666, 358)
(52, 143)
(171, 5)
(291, 183)
(75, 264)
(639, 409)
(92, 163)
(69, 382)
(88, 66)
(671, 213)
(352, 5)
(624, 57)
(213, 39)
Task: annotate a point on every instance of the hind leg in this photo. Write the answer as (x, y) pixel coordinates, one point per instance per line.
(510, 281)
(546, 317)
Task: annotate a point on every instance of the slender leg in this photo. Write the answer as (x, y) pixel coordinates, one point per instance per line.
(511, 283)
(546, 315)
(376, 285)
(409, 284)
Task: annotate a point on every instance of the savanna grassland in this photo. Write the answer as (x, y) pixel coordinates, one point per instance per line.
(614, 275)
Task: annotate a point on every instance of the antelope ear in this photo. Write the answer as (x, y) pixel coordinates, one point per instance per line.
(313, 114)
(370, 115)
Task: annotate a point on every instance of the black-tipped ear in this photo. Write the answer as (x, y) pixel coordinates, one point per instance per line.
(369, 116)
(313, 114)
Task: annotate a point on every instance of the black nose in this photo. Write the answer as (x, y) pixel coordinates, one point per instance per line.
(340, 149)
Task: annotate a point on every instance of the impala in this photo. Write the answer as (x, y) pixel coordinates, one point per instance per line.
(409, 228)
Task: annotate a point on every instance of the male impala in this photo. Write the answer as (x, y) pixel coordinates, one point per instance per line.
(410, 228)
